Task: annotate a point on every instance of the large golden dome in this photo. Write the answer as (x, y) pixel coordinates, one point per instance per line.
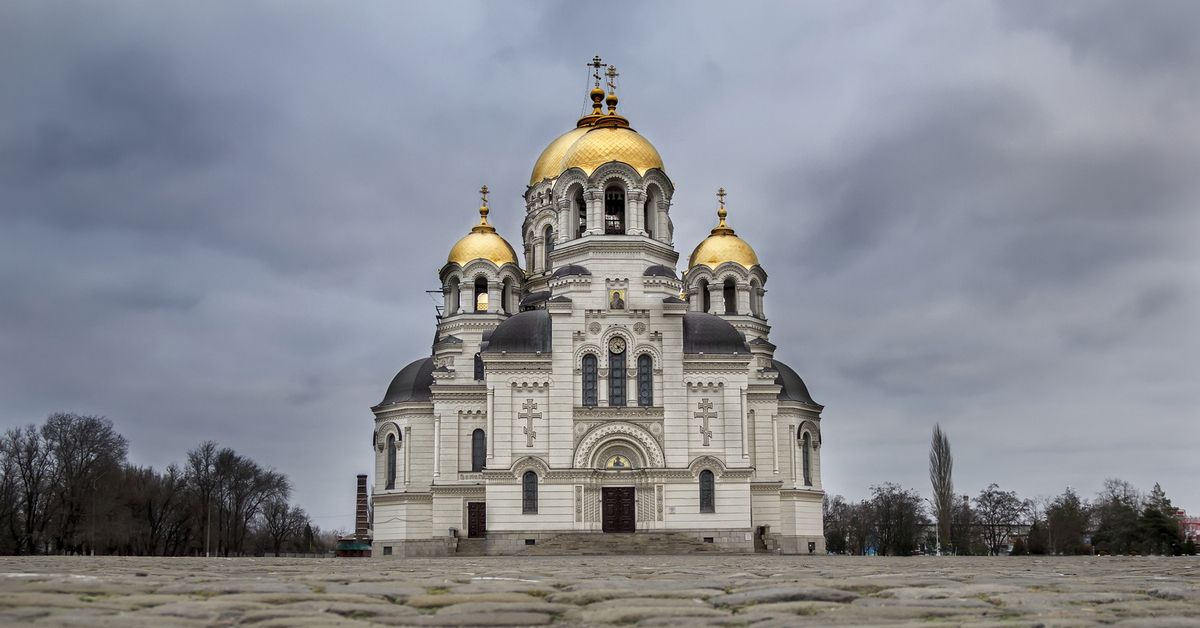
(547, 165)
(596, 140)
(482, 242)
(722, 246)
(601, 145)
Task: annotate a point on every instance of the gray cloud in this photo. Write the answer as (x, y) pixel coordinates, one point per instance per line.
(220, 221)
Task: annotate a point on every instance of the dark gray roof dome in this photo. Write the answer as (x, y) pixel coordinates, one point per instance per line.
(411, 383)
(534, 298)
(570, 269)
(527, 332)
(709, 333)
(793, 387)
(658, 270)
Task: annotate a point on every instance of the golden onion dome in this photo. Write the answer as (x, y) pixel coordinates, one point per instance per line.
(722, 246)
(547, 165)
(602, 144)
(482, 242)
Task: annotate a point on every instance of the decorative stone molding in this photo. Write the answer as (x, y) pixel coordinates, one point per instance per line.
(712, 463)
(387, 429)
(640, 438)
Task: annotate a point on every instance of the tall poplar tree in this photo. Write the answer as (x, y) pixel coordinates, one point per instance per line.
(941, 467)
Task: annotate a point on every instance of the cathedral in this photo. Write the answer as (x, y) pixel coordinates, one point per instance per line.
(595, 390)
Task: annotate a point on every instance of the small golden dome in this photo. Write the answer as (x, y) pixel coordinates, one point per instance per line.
(482, 242)
(722, 246)
(602, 144)
(547, 165)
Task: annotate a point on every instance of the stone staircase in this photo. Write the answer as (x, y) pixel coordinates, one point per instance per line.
(469, 547)
(636, 543)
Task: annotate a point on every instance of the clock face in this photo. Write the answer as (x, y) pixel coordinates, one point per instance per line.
(616, 345)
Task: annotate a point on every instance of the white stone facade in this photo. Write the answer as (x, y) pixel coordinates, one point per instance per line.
(730, 413)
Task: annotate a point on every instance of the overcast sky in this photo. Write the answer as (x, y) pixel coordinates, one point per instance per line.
(219, 220)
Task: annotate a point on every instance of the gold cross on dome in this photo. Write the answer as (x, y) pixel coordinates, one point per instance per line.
(612, 75)
(483, 192)
(721, 194)
(596, 64)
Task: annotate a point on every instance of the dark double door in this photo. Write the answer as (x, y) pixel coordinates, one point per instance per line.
(618, 509)
(476, 520)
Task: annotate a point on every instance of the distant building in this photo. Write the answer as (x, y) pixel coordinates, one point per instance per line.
(1189, 526)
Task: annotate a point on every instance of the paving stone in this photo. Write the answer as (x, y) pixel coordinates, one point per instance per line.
(483, 619)
(784, 594)
(389, 590)
(588, 597)
(447, 599)
(1175, 593)
(511, 607)
(234, 586)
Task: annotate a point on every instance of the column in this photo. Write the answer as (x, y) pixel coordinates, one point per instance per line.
(595, 212)
(565, 230)
(716, 298)
(743, 297)
(407, 454)
(495, 290)
(792, 452)
(635, 210)
(437, 445)
(745, 431)
(775, 444)
(491, 422)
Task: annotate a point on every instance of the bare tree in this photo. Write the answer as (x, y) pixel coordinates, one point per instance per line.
(281, 522)
(998, 513)
(941, 468)
(898, 517)
(33, 468)
(85, 450)
(202, 478)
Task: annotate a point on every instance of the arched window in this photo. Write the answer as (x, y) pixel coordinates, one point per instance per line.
(648, 217)
(549, 247)
(645, 370)
(478, 366)
(730, 296)
(705, 297)
(391, 461)
(589, 380)
(481, 294)
(581, 206)
(616, 378)
(708, 492)
(478, 450)
(529, 493)
(805, 457)
(614, 210)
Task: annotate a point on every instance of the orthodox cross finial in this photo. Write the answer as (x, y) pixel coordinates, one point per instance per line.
(483, 192)
(721, 194)
(722, 228)
(612, 75)
(596, 64)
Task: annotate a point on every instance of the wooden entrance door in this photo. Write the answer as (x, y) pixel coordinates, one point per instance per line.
(476, 520)
(619, 509)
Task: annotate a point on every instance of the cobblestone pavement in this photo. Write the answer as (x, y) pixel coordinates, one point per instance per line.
(694, 590)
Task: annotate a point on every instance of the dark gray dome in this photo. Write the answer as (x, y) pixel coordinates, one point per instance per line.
(793, 388)
(535, 298)
(527, 332)
(709, 333)
(659, 270)
(411, 383)
(570, 269)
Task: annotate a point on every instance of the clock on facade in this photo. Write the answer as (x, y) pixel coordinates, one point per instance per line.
(616, 345)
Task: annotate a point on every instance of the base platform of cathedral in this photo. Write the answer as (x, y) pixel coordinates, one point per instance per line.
(703, 589)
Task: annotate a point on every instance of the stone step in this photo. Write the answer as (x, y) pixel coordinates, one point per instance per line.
(470, 547)
(635, 543)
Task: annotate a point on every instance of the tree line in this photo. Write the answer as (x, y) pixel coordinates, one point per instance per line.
(67, 488)
(898, 521)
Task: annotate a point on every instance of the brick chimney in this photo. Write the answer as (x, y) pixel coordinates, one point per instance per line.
(361, 524)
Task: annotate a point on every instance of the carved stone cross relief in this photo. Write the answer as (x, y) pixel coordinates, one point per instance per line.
(529, 415)
(705, 406)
